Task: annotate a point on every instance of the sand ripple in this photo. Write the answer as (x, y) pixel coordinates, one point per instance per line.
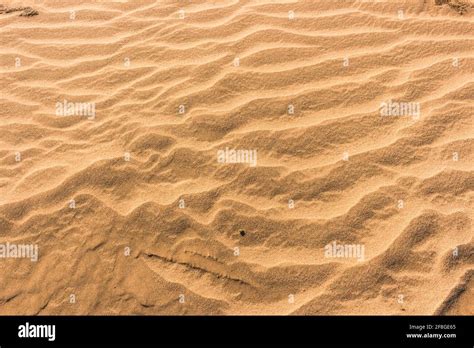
(132, 211)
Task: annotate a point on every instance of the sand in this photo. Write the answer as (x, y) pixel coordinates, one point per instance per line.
(237, 157)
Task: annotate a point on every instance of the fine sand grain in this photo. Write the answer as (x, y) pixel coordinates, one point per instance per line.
(237, 157)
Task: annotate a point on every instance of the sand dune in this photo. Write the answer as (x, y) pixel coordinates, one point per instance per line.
(237, 157)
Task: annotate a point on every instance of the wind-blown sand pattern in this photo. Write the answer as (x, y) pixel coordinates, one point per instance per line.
(132, 211)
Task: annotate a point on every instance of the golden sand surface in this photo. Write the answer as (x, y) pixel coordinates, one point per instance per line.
(237, 157)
